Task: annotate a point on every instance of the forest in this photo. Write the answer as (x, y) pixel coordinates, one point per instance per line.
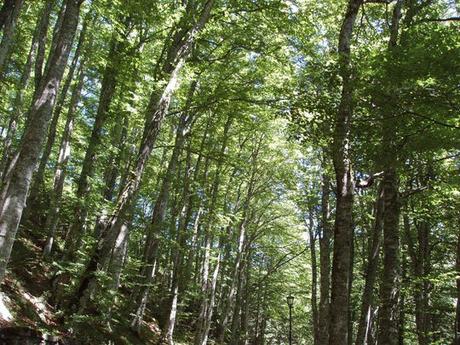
(242, 172)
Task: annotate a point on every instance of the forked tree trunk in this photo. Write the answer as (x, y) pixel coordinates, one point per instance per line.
(343, 227)
(20, 173)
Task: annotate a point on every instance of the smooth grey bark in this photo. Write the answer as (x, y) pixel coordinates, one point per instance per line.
(18, 102)
(42, 38)
(38, 180)
(158, 217)
(366, 320)
(8, 18)
(325, 263)
(61, 165)
(156, 111)
(112, 171)
(19, 174)
(339, 307)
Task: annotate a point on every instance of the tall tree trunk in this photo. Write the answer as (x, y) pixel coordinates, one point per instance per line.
(156, 111)
(108, 88)
(178, 255)
(238, 263)
(61, 166)
(390, 285)
(159, 212)
(422, 268)
(314, 280)
(20, 173)
(8, 18)
(18, 102)
(325, 263)
(457, 311)
(35, 190)
(42, 38)
(207, 287)
(345, 185)
(391, 280)
(366, 321)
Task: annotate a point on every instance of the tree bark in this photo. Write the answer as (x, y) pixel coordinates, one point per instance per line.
(18, 102)
(325, 263)
(391, 280)
(42, 38)
(366, 321)
(457, 311)
(390, 285)
(314, 280)
(108, 88)
(8, 18)
(159, 212)
(35, 190)
(156, 111)
(208, 288)
(20, 173)
(344, 179)
(61, 166)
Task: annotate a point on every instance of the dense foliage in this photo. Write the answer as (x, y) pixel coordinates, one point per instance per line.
(172, 170)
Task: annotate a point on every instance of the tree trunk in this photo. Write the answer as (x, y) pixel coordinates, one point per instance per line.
(35, 190)
(159, 213)
(390, 286)
(422, 270)
(156, 111)
(325, 264)
(208, 288)
(314, 280)
(108, 87)
(237, 268)
(61, 166)
(457, 311)
(42, 37)
(18, 102)
(344, 178)
(20, 173)
(366, 321)
(391, 280)
(8, 18)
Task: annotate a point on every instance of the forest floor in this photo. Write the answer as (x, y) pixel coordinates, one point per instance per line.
(26, 315)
